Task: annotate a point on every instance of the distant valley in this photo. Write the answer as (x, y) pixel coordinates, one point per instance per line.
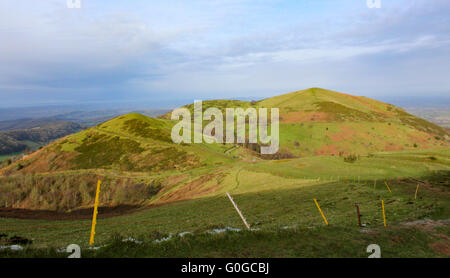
(33, 134)
(437, 115)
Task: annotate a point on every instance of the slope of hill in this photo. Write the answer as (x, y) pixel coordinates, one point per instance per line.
(132, 142)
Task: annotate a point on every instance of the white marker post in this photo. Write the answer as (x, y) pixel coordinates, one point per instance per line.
(238, 211)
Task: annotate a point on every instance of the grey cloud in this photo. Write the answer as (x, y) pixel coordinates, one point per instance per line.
(401, 48)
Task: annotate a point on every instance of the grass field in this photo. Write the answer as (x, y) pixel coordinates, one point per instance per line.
(276, 197)
(320, 242)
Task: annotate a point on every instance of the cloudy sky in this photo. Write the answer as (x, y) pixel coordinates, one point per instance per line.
(146, 51)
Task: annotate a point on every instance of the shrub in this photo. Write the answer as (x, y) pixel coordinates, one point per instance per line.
(86, 192)
(135, 193)
(350, 158)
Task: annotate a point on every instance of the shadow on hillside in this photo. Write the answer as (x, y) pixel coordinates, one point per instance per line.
(104, 212)
(441, 178)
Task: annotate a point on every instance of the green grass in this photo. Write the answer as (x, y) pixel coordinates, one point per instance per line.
(272, 195)
(377, 166)
(297, 243)
(268, 210)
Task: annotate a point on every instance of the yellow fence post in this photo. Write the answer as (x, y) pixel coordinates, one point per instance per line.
(323, 216)
(387, 186)
(94, 217)
(384, 214)
(417, 189)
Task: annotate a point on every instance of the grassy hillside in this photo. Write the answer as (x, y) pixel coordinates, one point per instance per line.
(131, 152)
(323, 122)
(132, 142)
(278, 204)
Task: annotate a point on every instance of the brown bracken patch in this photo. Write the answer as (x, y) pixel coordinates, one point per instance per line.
(441, 247)
(302, 116)
(328, 150)
(345, 133)
(392, 147)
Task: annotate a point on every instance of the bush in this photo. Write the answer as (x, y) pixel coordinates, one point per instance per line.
(63, 192)
(136, 193)
(351, 158)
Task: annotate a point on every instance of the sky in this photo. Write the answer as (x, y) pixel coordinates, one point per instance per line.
(145, 51)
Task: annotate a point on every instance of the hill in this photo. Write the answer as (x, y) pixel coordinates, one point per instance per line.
(319, 130)
(323, 122)
(131, 142)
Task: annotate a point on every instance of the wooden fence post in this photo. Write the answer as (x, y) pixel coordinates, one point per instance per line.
(238, 211)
